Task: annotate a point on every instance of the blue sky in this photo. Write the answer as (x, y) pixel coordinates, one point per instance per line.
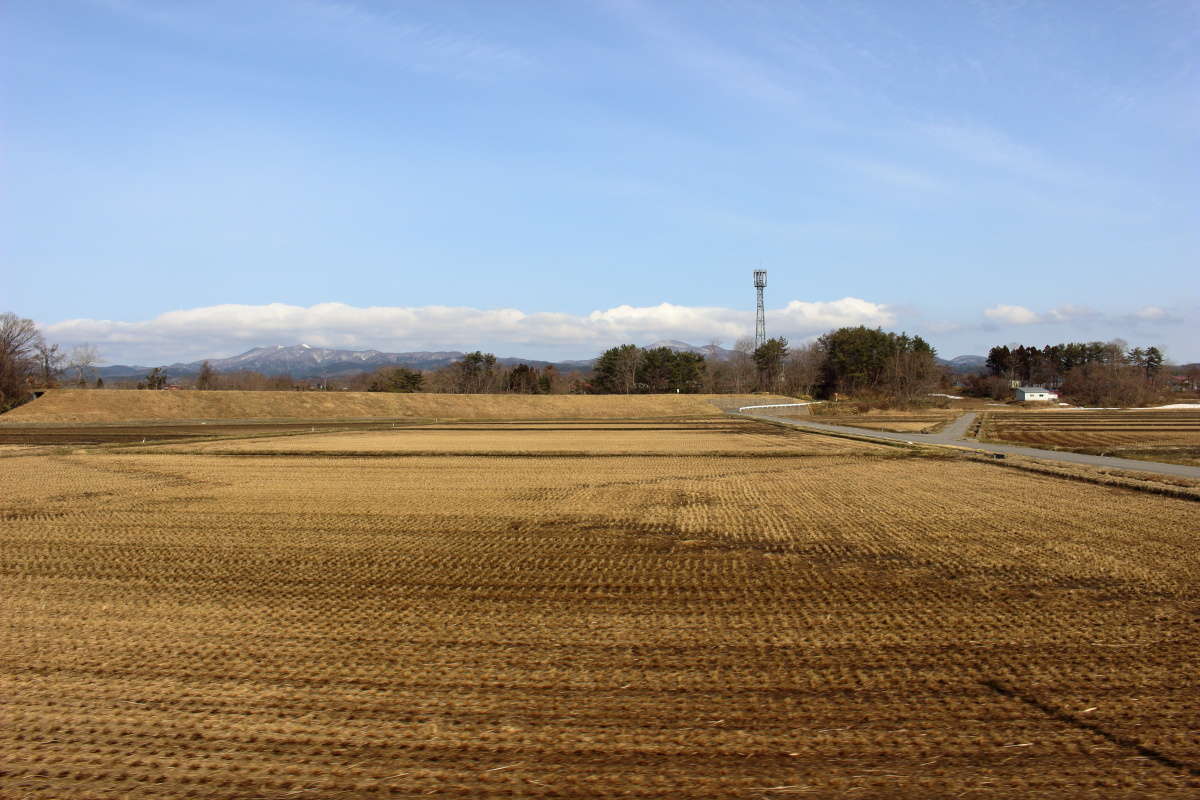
(188, 179)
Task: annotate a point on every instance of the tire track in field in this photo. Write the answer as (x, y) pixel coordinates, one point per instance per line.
(1074, 720)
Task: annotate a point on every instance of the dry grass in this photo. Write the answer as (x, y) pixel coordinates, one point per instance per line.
(535, 626)
(922, 421)
(901, 425)
(76, 405)
(1150, 435)
(701, 437)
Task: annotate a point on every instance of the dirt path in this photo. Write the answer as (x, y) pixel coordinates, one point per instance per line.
(954, 435)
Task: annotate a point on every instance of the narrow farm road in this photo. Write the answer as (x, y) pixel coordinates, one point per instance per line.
(956, 431)
(953, 435)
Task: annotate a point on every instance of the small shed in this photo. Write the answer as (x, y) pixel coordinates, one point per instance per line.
(1033, 393)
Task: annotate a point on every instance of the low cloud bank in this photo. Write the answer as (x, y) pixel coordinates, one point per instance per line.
(1020, 315)
(224, 330)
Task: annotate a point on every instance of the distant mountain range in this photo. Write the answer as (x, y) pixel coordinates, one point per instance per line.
(305, 361)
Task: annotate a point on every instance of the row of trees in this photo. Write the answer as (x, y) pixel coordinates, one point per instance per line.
(474, 373)
(628, 369)
(859, 361)
(1050, 365)
(850, 360)
(1090, 373)
(868, 364)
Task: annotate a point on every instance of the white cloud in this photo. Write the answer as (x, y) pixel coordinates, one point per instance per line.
(1011, 315)
(1069, 313)
(1020, 315)
(225, 330)
(1151, 313)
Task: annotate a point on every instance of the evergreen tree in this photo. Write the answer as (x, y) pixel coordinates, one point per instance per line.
(769, 358)
(999, 361)
(616, 369)
(396, 379)
(1154, 361)
(157, 379)
(476, 372)
(207, 379)
(524, 379)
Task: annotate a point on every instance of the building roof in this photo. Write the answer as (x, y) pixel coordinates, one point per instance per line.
(1032, 389)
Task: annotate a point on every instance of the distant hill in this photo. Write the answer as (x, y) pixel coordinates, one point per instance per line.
(713, 352)
(965, 364)
(306, 361)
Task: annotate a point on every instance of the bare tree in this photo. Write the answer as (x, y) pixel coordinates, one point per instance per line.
(50, 360)
(82, 361)
(745, 371)
(802, 370)
(910, 375)
(19, 342)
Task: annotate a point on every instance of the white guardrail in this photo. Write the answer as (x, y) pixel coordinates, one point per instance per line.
(779, 405)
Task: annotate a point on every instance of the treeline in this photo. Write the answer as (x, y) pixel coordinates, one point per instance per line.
(1090, 373)
(858, 361)
(1050, 365)
(474, 373)
(871, 364)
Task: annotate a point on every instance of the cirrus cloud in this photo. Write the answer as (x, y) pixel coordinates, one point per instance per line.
(225, 329)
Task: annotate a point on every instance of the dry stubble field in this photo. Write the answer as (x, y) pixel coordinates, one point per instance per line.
(1152, 435)
(768, 615)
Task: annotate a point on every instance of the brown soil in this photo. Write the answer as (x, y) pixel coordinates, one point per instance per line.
(848, 623)
(1149, 435)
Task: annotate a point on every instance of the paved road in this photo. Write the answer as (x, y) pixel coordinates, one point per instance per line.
(954, 435)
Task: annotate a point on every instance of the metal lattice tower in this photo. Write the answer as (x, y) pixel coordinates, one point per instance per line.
(760, 326)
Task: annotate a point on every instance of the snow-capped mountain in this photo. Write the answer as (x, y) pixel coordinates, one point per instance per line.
(713, 352)
(306, 361)
(302, 360)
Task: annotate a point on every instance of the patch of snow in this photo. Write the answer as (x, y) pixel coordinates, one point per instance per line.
(950, 396)
(779, 405)
(1195, 406)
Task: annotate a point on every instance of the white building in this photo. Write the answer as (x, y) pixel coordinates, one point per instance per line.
(1028, 393)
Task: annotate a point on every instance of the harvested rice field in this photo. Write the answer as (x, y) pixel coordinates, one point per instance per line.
(1151, 435)
(923, 421)
(761, 614)
(717, 437)
(896, 424)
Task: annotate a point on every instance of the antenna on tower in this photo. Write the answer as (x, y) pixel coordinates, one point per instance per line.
(760, 326)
